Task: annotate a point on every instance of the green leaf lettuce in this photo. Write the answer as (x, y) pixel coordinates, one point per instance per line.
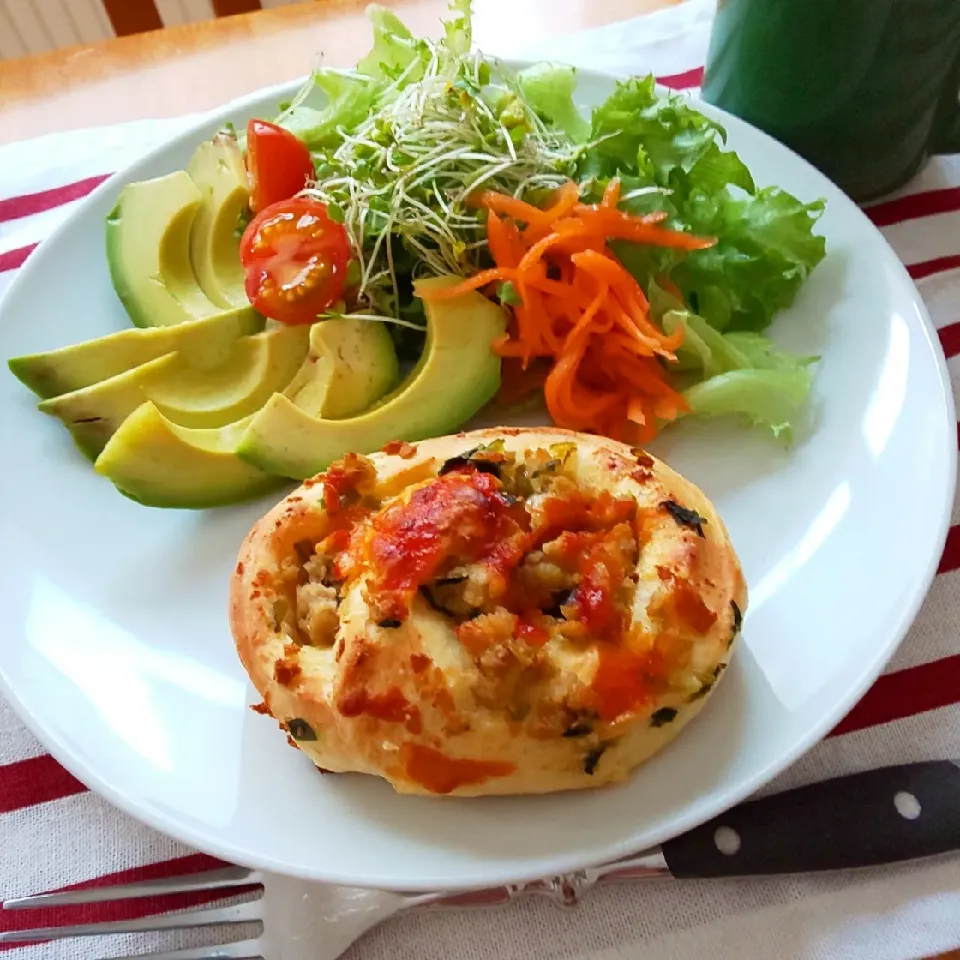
(766, 246)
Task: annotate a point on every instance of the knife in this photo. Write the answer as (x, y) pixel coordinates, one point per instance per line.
(878, 817)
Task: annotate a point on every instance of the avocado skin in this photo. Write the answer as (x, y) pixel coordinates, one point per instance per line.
(203, 500)
(40, 379)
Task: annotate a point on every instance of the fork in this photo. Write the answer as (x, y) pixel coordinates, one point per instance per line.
(308, 921)
(883, 816)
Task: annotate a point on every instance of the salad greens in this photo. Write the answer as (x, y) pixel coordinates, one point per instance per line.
(736, 372)
(401, 142)
(404, 141)
(765, 246)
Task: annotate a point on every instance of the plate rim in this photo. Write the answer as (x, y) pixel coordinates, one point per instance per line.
(146, 812)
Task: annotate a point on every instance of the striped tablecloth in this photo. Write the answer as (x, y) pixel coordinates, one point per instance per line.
(54, 833)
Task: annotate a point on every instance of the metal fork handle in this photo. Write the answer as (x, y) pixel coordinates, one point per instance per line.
(209, 880)
(566, 889)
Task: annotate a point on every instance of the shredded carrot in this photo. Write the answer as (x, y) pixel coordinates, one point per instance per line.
(503, 238)
(565, 198)
(636, 411)
(616, 225)
(501, 203)
(478, 280)
(612, 215)
(583, 329)
(533, 301)
(536, 252)
(583, 325)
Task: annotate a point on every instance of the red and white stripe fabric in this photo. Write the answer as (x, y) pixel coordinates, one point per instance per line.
(54, 833)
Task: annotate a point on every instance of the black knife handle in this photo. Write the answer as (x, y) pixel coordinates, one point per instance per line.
(861, 820)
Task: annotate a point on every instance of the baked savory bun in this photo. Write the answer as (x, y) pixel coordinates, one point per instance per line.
(503, 611)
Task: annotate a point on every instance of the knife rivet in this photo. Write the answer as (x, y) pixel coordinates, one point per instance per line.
(908, 806)
(727, 840)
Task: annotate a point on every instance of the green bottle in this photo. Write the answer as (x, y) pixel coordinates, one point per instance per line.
(866, 90)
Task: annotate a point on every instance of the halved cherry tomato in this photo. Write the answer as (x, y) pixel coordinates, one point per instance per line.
(295, 258)
(278, 163)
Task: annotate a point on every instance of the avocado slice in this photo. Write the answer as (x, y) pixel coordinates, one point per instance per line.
(160, 464)
(148, 251)
(206, 343)
(351, 364)
(456, 375)
(218, 170)
(257, 367)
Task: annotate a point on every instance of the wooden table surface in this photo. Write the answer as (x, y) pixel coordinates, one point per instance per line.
(200, 65)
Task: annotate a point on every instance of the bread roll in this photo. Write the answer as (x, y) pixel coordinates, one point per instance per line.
(507, 611)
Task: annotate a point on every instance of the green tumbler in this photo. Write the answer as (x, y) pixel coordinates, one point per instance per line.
(866, 90)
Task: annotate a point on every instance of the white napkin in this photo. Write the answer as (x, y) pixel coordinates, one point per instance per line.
(54, 833)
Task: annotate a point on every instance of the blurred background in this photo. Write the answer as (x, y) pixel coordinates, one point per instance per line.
(35, 26)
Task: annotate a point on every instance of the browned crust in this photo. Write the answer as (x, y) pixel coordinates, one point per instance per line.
(370, 745)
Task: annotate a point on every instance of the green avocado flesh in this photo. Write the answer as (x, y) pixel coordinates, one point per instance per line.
(457, 374)
(148, 251)
(207, 343)
(218, 170)
(160, 464)
(351, 364)
(257, 367)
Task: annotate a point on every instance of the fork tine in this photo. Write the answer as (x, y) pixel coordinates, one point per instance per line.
(208, 880)
(241, 950)
(239, 913)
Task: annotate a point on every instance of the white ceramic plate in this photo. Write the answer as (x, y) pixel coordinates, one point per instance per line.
(116, 648)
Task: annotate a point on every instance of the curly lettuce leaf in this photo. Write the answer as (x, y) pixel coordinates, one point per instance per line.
(549, 89)
(349, 100)
(394, 49)
(764, 252)
(704, 349)
(396, 59)
(670, 157)
(769, 398)
(660, 140)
